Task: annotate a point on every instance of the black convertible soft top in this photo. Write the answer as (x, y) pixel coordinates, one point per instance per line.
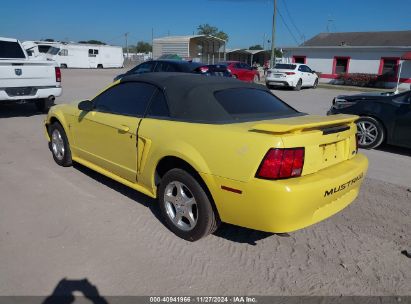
(191, 97)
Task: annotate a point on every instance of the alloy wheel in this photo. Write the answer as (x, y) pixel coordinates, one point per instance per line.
(367, 133)
(180, 206)
(57, 144)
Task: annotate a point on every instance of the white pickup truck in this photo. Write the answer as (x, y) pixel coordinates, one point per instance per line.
(23, 80)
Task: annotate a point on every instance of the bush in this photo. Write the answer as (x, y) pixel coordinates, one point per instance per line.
(359, 79)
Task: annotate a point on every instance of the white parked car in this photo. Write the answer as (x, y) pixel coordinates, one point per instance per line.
(23, 80)
(294, 75)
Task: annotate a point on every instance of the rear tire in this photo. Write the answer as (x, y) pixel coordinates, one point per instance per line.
(99, 66)
(299, 85)
(43, 105)
(59, 145)
(371, 132)
(185, 206)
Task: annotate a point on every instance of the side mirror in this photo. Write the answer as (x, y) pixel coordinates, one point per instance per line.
(85, 105)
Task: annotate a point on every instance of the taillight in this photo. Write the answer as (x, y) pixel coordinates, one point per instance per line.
(290, 73)
(58, 74)
(282, 163)
(204, 69)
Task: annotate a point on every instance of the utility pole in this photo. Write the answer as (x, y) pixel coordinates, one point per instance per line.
(264, 38)
(273, 36)
(126, 36)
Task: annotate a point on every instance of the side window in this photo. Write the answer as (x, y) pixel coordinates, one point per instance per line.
(158, 106)
(301, 69)
(161, 67)
(171, 68)
(63, 52)
(246, 66)
(306, 69)
(129, 98)
(145, 67)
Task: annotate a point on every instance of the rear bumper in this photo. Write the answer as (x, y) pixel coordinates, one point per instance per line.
(291, 204)
(40, 92)
(280, 82)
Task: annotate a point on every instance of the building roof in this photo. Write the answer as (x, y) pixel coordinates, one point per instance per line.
(391, 38)
(245, 51)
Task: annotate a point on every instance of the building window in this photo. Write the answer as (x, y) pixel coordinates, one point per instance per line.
(389, 66)
(341, 65)
(300, 59)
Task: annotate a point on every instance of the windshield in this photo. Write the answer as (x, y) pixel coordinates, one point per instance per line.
(53, 50)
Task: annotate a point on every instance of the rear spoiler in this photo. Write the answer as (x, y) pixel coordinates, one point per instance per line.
(298, 124)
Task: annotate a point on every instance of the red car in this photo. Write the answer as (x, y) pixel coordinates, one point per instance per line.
(242, 71)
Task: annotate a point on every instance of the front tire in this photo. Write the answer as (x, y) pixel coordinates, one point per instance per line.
(370, 132)
(185, 206)
(315, 85)
(59, 145)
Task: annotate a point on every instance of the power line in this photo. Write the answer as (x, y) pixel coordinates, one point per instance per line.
(288, 28)
(292, 20)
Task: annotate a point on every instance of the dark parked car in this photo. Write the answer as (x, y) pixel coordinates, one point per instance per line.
(178, 66)
(384, 117)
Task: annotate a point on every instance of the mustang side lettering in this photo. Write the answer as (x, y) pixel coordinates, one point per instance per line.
(212, 150)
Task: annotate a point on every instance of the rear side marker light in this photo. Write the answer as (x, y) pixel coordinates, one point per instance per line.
(282, 163)
(231, 189)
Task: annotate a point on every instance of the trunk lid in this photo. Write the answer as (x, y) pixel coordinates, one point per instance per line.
(327, 140)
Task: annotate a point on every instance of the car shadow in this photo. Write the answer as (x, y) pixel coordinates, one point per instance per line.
(395, 149)
(64, 292)
(226, 231)
(18, 110)
(242, 235)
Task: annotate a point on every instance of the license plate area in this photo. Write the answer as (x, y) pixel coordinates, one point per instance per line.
(22, 91)
(333, 153)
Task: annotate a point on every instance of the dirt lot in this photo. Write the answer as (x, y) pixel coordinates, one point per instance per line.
(72, 223)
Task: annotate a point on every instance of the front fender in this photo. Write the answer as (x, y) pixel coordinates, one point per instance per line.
(56, 114)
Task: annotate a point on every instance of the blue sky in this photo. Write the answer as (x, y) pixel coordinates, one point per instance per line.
(245, 21)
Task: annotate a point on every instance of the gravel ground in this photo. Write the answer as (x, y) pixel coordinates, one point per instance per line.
(73, 223)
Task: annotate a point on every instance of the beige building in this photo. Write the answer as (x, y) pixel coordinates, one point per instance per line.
(199, 48)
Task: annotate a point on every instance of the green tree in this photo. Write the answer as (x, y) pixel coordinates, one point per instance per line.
(207, 29)
(256, 47)
(49, 40)
(143, 47)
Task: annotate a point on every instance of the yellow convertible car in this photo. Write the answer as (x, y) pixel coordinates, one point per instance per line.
(213, 150)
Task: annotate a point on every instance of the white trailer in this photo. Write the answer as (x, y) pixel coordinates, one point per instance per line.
(77, 55)
(38, 49)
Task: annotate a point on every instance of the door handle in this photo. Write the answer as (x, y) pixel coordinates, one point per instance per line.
(123, 129)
